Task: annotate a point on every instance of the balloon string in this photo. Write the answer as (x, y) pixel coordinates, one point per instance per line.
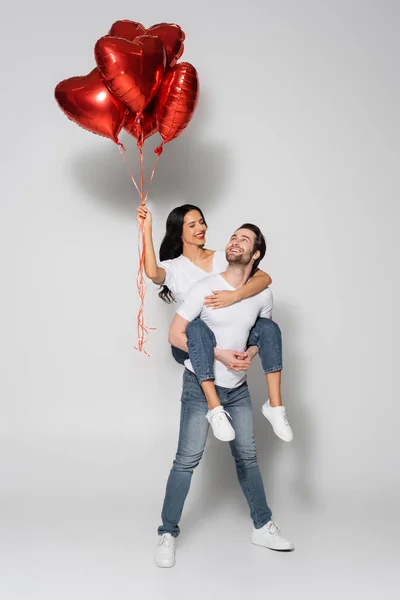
(152, 176)
(121, 151)
(142, 330)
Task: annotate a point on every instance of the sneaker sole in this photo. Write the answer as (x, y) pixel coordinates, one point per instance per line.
(271, 548)
(273, 429)
(226, 440)
(164, 566)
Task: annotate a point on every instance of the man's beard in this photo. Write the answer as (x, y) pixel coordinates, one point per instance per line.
(239, 259)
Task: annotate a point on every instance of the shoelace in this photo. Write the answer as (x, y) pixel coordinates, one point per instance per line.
(219, 415)
(273, 528)
(165, 541)
(285, 420)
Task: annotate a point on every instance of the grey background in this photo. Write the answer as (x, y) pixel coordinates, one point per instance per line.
(297, 129)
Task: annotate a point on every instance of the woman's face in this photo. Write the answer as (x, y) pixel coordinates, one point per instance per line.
(194, 229)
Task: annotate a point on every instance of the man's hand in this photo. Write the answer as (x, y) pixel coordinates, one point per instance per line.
(221, 299)
(234, 360)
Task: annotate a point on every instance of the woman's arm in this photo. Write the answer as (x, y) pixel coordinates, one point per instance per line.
(222, 298)
(259, 282)
(152, 270)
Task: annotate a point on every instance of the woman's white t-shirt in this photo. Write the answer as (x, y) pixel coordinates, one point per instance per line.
(181, 273)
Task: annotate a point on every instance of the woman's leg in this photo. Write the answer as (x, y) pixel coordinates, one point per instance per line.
(266, 334)
(179, 355)
(201, 344)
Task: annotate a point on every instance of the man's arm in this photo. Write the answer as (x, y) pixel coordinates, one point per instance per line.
(189, 310)
(177, 337)
(177, 333)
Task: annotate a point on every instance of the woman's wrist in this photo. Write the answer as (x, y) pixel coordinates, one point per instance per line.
(148, 231)
(238, 295)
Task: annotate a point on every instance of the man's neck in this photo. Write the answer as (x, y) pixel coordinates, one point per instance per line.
(237, 275)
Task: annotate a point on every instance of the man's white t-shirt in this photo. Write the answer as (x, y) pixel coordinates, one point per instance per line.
(181, 273)
(231, 325)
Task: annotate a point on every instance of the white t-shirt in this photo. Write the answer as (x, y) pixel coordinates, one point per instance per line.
(231, 325)
(181, 273)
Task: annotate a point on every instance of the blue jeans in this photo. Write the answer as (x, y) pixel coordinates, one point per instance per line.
(201, 342)
(192, 440)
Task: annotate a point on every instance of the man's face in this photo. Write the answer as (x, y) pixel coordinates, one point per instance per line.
(240, 248)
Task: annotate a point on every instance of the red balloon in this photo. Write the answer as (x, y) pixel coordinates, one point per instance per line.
(172, 37)
(141, 127)
(88, 103)
(177, 100)
(132, 70)
(170, 34)
(127, 29)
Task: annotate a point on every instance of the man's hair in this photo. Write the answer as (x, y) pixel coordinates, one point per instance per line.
(259, 244)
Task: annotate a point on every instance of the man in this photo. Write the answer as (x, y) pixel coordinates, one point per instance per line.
(231, 327)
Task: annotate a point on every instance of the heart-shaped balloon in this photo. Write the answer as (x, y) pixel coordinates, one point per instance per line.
(128, 30)
(172, 37)
(141, 127)
(132, 70)
(88, 103)
(170, 34)
(176, 101)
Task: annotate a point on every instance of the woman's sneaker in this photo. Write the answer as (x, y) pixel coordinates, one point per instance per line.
(269, 536)
(276, 415)
(165, 553)
(222, 429)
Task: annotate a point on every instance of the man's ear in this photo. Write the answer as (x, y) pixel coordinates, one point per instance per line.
(256, 255)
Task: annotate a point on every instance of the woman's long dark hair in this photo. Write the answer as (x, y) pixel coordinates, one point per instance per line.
(172, 245)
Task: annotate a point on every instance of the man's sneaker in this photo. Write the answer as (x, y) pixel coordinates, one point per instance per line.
(165, 553)
(222, 429)
(269, 537)
(276, 415)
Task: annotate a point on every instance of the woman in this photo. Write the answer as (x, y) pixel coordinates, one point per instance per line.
(184, 261)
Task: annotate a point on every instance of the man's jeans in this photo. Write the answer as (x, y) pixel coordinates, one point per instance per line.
(192, 440)
(201, 342)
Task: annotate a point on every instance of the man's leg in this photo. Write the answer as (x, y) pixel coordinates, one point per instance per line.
(192, 439)
(243, 449)
(265, 532)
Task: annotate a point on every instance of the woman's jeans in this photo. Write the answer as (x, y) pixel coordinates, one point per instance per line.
(201, 343)
(192, 440)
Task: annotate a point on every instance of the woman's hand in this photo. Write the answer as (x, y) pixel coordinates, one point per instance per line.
(221, 299)
(143, 213)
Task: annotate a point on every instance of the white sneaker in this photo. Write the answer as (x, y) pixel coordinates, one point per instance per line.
(269, 537)
(222, 429)
(276, 415)
(165, 553)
